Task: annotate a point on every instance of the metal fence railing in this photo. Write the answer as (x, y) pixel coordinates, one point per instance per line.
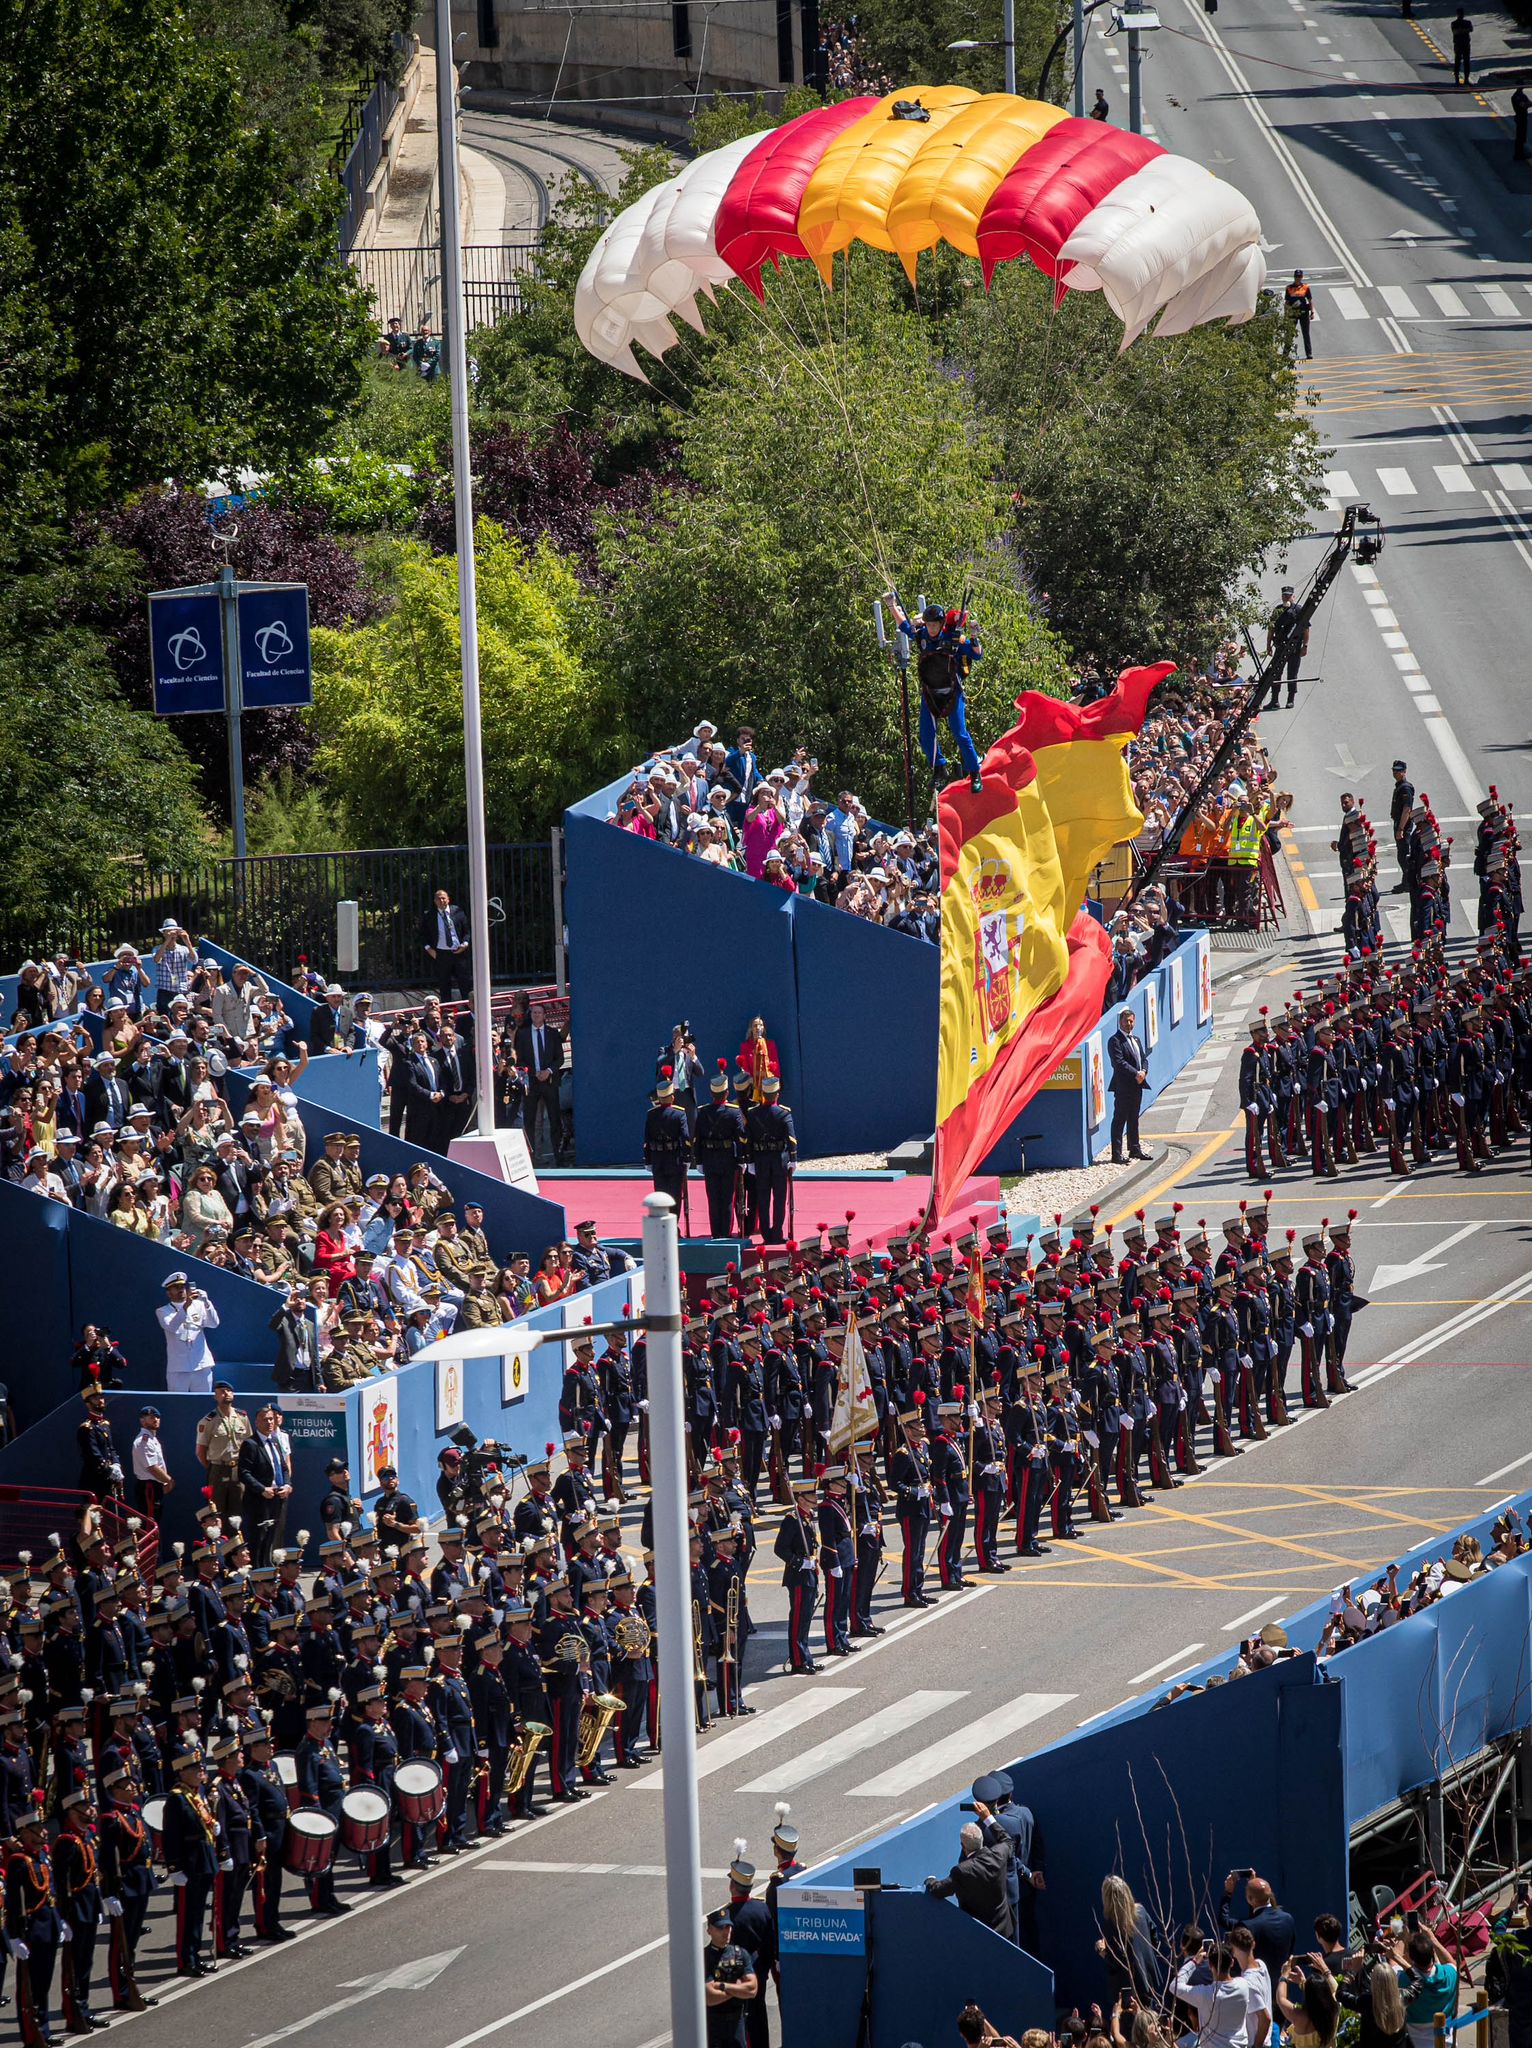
(278, 910)
(31, 1515)
(359, 147)
(407, 282)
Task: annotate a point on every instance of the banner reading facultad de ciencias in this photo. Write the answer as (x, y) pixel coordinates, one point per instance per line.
(821, 1923)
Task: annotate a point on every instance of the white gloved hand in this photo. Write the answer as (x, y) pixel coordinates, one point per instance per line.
(973, 1411)
(226, 1864)
(178, 1878)
(66, 1932)
(868, 1529)
(452, 1756)
(1151, 1410)
(643, 1407)
(112, 1908)
(836, 1572)
(923, 1492)
(946, 1511)
(21, 1952)
(1127, 1424)
(1215, 1375)
(775, 1421)
(1305, 1329)
(1246, 1360)
(1459, 1101)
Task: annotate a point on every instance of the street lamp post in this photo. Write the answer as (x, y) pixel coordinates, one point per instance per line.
(454, 341)
(1007, 42)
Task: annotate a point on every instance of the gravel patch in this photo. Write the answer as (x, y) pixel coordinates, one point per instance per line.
(1065, 1190)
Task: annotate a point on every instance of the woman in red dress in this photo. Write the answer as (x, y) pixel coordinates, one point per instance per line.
(757, 1057)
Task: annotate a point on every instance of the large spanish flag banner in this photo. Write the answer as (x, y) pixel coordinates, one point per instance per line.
(1024, 970)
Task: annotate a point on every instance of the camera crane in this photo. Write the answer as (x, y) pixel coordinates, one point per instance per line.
(1360, 534)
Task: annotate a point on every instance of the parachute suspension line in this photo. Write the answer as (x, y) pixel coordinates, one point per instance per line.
(839, 393)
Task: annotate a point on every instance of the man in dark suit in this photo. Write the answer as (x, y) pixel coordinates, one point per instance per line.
(978, 1879)
(539, 1048)
(1130, 1077)
(106, 1093)
(423, 1091)
(265, 1472)
(454, 1067)
(444, 934)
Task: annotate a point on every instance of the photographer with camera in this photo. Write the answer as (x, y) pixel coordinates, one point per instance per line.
(1210, 1984)
(186, 1319)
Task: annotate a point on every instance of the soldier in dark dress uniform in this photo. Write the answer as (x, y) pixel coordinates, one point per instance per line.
(189, 1847)
(322, 1787)
(231, 1804)
(127, 1878)
(720, 1144)
(632, 1667)
(266, 1797)
(796, 1546)
(667, 1147)
(32, 1926)
(773, 1152)
(909, 1474)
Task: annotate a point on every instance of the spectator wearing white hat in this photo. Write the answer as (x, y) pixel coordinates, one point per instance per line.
(126, 979)
(327, 1032)
(186, 1318)
(235, 1001)
(175, 961)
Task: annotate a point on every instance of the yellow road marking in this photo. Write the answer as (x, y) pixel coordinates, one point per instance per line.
(1193, 1165)
(1306, 895)
(1440, 52)
(1209, 1522)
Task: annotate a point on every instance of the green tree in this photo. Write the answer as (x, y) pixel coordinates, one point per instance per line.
(388, 702)
(907, 40)
(816, 475)
(186, 263)
(1151, 483)
(85, 778)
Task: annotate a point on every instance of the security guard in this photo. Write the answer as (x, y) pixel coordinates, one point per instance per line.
(1286, 635)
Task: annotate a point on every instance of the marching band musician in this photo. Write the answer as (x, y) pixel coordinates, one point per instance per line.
(837, 1560)
(189, 1846)
(632, 1668)
(796, 1547)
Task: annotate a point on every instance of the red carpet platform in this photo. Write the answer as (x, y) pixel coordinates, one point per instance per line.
(879, 1207)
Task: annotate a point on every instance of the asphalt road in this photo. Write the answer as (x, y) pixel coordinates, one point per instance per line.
(1397, 196)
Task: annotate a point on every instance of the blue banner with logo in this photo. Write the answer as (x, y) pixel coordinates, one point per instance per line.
(275, 667)
(185, 651)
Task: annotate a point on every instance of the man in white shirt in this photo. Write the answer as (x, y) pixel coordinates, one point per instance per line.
(1255, 1976)
(1222, 2005)
(186, 1318)
(151, 1474)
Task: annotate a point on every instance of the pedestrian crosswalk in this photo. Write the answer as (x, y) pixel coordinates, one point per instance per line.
(1464, 299)
(982, 1739)
(1411, 480)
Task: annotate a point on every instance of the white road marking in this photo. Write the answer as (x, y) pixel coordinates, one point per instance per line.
(1455, 761)
(1176, 1657)
(1233, 1627)
(1194, 1110)
(1348, 303)
(1448, 301)
(1514, 1466)
(1453, 477)
(1512, 476)
(548, 1998)
(1498, 300)
(1340, 484)
(531, 1869)
(1454, 1326)
(978, 1736)
(1398, 300)
(747, 1736)
(840, 1749)
(1397, 482)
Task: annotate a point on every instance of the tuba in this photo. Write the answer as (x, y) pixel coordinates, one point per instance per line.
(524, 1754)
(599, 1712)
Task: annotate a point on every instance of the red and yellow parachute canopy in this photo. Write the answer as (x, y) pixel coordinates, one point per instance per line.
(995, 176)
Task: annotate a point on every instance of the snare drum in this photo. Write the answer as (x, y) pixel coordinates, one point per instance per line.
(309, 1844)
(364, 1820)
(154, 1821)
(287, 1771)
(422, 1793)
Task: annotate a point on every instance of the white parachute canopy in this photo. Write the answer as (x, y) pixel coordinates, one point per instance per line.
(653, 260)
(1171, 236)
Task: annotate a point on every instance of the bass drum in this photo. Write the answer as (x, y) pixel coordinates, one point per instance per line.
(154, 1821)
(364, 1820)
(309, 1846)
(421, 1792)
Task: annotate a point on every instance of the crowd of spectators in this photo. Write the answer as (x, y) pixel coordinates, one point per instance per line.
(128, 1118)
(844, 64)
(1214, 872)
(723, 805)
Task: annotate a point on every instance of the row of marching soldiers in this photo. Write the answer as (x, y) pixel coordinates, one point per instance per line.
(239, 1735)
(1430, 1056)
(1008, 1383)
